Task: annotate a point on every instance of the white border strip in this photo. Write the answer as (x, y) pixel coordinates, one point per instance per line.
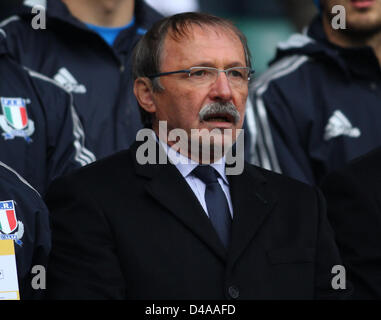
(19, 176)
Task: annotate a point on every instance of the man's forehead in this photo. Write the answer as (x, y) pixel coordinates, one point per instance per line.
(195, 39)
(202, 45)
(193, 31)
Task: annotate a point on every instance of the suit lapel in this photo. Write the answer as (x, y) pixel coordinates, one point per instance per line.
(252, 202)
(166, 184)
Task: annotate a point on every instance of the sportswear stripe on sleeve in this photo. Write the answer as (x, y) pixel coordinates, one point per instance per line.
(264, 153)
(83, 156)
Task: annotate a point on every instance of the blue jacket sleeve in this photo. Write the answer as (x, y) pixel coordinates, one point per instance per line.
(278, 129)
(66, 138)
(32, 237)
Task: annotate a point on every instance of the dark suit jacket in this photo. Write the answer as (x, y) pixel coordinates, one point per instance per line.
(354, 210)
(127, 231)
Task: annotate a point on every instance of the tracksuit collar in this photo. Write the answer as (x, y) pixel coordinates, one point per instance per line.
(57, 11)
(358, 62)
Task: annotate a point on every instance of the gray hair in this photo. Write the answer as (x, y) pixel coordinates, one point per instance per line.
(147, 54)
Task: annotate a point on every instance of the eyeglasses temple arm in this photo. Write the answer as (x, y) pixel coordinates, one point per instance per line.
(167, 73)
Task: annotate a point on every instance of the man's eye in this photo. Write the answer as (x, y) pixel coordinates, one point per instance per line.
(198, 73)
(236, 74)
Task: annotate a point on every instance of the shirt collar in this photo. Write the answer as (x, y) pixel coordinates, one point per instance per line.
(186, 165)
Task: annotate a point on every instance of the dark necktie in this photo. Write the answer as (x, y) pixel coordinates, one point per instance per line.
(216, 202)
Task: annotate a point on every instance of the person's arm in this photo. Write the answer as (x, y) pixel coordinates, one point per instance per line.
(84, 260)
(355, 215)
(65, 134)
(32, 234)
(279, 133)
(330, 280)
(33, 286)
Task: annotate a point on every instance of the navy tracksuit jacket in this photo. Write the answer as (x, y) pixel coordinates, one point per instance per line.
(41, 136)
(317, 107)
(27, 224)
(98, 76)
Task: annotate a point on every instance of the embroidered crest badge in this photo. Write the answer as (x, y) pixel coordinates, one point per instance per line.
(10, 228)
(14, 121)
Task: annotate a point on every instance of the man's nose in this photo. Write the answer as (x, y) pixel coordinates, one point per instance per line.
(221, 89)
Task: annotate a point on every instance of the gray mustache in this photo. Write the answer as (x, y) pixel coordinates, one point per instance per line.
(217, 107)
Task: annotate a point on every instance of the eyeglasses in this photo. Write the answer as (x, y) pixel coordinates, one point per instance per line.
(237, 76)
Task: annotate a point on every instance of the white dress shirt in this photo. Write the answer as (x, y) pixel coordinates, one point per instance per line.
(186, 166)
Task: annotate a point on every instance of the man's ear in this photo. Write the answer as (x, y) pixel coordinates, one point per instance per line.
(144, 94)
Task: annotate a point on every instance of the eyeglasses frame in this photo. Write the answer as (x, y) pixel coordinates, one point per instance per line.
(251, 71)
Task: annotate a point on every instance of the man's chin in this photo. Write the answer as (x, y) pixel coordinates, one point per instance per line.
(210, 146)
(364, 23)
(362, 31)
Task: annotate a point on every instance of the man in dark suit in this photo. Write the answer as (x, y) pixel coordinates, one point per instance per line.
(124, 228)
(353, 196)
